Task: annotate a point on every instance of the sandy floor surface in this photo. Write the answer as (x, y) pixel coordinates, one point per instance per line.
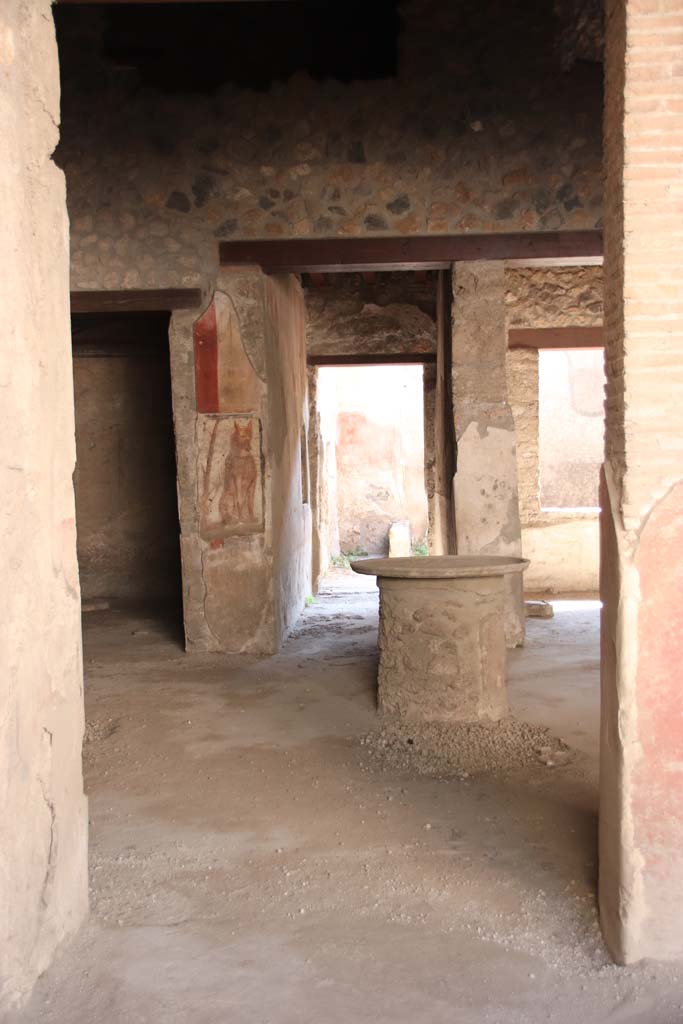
(253, 861)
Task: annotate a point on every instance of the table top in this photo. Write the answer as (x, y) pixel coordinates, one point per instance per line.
(440, 567)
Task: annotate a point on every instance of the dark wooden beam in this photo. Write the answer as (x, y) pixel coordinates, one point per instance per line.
(138, 301)
(555, 337)
(371, 358)
(418, 252)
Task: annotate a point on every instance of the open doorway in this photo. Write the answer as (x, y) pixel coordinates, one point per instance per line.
(374, 417)
(125, 477)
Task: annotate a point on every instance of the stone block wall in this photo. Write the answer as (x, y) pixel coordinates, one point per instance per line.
(554, 296)
(43, 812)
(156, 180)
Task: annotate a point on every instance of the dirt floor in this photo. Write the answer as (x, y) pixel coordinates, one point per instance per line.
(260, 856)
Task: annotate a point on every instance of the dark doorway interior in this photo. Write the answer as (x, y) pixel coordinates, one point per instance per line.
(125, 479)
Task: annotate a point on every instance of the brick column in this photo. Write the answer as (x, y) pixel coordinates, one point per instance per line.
(641, 771)
(485, 484)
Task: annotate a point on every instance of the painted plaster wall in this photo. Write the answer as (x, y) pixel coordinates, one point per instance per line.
(125, 479)
(43, 812)
(641, 783)
(445, 147)
(239, 401)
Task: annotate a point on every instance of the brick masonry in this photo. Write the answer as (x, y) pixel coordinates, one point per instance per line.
(641, 826)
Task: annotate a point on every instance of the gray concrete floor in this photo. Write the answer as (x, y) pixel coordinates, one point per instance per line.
(250, 865)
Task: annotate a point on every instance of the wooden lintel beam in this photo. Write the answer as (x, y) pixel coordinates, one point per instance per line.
(370, 358)
(135, 301)
(416, 252)
(555, 337)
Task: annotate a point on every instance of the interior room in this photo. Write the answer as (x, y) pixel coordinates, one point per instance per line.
(342, 525)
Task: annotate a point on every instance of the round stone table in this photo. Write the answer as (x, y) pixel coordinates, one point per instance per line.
(442, 650)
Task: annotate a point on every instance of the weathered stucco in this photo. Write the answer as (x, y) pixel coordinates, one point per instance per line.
(442, 649)
(43, 815)
(485, 484)
(239, 395)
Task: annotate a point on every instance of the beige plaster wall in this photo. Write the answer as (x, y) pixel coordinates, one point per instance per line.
(322, 448)
(564, 553)
(125, 479)
(288, 421)
(43, 814)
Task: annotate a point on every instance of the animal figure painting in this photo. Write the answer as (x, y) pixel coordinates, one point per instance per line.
(232, 500)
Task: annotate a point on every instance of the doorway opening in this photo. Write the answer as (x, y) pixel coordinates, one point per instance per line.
(125, 478)
(373, 417)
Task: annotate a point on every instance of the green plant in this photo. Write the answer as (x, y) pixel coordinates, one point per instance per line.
(310, 600)
(355, 553)
(343, 559)
(420, 549)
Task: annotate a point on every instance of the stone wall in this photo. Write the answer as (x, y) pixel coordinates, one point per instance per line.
(156, 180)
(392, 313)
(553, 296)
(125, 479)
(43, 812)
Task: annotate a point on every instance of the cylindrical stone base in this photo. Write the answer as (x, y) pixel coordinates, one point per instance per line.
(442, 650)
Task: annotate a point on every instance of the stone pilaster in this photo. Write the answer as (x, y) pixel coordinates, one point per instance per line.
(485, 495)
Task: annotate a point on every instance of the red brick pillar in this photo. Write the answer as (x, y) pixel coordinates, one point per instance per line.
(641, 772)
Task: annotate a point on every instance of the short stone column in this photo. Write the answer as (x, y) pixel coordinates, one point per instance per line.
(485, 485)
(442, 650)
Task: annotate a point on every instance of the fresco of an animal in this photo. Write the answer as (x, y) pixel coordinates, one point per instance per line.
(236, 503)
